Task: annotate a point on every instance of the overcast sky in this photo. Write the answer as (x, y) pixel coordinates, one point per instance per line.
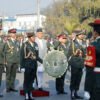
(13, 7)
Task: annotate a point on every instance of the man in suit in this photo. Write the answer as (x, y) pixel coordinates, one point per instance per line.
(12, 55)
(1, 62)
(29, 58)
(42, 44)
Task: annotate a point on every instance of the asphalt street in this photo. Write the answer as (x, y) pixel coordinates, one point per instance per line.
(49, 85)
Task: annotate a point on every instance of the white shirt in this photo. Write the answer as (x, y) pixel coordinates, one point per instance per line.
(41, 43)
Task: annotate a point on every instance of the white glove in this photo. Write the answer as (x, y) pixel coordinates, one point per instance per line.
(40, 68)
(86, 95)
(22, 70)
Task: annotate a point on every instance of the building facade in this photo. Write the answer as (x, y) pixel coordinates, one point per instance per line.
(22, 22)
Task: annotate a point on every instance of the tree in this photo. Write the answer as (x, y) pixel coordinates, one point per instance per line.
(63, 15)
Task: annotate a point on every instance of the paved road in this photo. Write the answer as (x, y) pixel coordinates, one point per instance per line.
(49, 84)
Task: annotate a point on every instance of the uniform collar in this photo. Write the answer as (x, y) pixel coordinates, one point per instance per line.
(31, 43)
(13, 40)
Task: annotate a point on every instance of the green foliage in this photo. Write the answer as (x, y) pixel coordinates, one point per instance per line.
(71, 25)
(63, 15)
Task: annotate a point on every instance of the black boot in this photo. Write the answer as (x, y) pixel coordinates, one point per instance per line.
(30, 96)
(77, 96)
(72, 95)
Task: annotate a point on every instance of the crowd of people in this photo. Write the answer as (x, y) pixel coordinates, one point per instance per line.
(28, 56)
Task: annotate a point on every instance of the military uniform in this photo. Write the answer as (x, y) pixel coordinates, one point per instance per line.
(94, 76)
(29, 58)
(77, 64)
(1, 62)
(96, 92)
(12, 56)
(62, 47)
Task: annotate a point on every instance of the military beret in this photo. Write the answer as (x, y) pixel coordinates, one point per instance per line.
(62, 36)
(78, 32)
(39, 30)
(97, 29)
(12, 30)
(30, 34)
(95, 23)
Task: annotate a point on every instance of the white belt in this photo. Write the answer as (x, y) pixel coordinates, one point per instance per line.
(96, 69)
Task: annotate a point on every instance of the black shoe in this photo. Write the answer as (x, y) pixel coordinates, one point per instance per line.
(26, 99)
(31, 98)
(8, 90)
(40, 89)
(59, 93)
(72, 95)
(1, 95)
(78, 97)
(64, 92)
(13, 90)
(73, 98)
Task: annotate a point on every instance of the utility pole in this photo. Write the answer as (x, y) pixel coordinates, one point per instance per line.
(38, 13)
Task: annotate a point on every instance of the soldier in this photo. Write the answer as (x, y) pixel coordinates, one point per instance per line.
(29, 58)
(63, 46)
(77, 52)
(92, 82)
(1, 62)
(11, 50)
(20, 40)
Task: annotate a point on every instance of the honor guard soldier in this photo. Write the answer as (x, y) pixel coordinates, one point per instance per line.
(77, 52)
(12, 56)
(29, 58)
(92, 81)
(61, 45)
(1, 62)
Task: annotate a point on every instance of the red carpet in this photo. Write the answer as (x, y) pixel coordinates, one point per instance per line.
(36, 93)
